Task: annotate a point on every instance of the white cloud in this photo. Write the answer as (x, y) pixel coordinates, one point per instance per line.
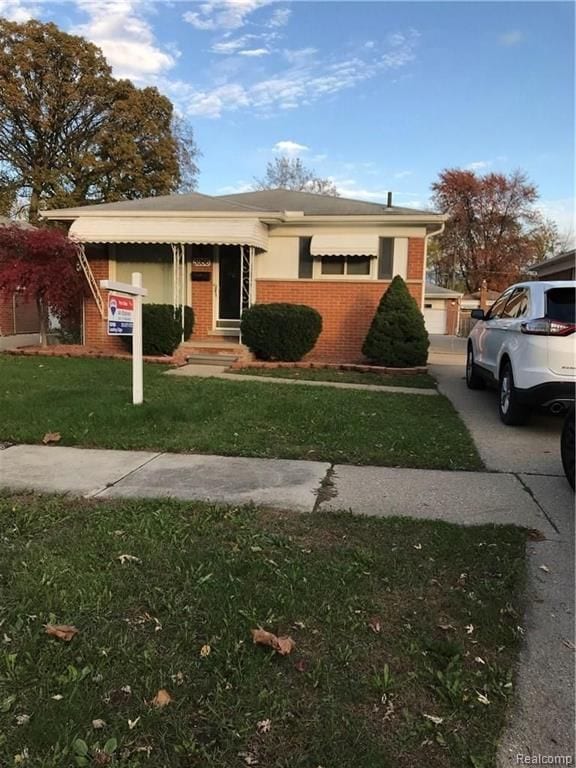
(228, 47)
(126, 37)
(290, 148)
(236, 189)
(479, 165)
(254, 52)
(16, 10)
(304, 81)
(511, 38)
(369, 44)
(280, 17)
(223, 14)
(563, 212)
(402, 174)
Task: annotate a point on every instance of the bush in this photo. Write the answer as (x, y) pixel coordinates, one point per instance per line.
(162, 329)
(397, 337)
(280, 331)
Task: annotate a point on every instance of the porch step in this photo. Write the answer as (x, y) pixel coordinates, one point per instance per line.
(211, 359)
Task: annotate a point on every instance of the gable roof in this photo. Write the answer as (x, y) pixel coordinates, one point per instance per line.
(312, 204)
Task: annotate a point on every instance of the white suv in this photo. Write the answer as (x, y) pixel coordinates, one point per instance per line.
(525, 345)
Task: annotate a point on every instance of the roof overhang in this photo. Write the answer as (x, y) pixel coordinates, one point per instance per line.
(345, 245)
(131, 229)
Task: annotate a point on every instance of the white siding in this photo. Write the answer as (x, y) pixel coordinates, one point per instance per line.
(280, 261)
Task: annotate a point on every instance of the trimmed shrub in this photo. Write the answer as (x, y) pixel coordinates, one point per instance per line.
(280, 331)
(397, 337)
(162, 329)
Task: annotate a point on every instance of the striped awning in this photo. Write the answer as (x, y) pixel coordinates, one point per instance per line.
(112, 229)
(344, 245)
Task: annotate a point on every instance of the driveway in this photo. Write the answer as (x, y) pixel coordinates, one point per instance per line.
(542, 724)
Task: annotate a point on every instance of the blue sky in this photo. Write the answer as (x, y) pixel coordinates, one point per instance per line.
(376, 95)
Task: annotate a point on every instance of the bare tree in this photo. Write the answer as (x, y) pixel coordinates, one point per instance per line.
(291, 173)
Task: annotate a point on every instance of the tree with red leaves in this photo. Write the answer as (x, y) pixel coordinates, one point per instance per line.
(493, 230)
(44, 264)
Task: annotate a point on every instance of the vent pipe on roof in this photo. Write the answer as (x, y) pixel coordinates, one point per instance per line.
(389, 203)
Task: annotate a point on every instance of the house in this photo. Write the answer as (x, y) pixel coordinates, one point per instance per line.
(441, 309)
(560, 267)
(19, 318)
(220, 254)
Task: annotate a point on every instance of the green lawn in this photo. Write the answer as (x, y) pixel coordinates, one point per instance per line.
(89, 403)
(429, 687)
(420, 380)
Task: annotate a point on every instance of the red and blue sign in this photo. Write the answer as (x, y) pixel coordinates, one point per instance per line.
(120, 315)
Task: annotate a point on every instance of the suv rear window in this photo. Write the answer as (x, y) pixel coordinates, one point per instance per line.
(560, 305)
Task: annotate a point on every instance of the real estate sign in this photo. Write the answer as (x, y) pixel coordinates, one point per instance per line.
(120, 315)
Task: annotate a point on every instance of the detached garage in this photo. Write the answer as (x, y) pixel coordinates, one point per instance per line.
(441, 309)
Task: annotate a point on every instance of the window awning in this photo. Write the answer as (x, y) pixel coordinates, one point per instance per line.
(344, 245)
(93, 229)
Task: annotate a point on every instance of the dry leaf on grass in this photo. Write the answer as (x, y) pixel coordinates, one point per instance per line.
(544, 568)
(282, 645)
(535, 535)
(97, 724)
(51, 437)
(162, 699)
(264, 726)
(128, 559)
(375, 624)
(436, 720)
(300, 666)
(61, 631)
(205, 651)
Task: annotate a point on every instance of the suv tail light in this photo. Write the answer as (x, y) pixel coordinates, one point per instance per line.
(543, 326)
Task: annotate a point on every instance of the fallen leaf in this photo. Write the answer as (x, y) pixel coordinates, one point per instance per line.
(133, 723)
(128, 559)
(61, 631)
(58, 697)
(205, 651)
(126, 689)
(569, 644)
(51, 437)
(479, 660)
(22, 719)
(482, 698)
(434, 719)
(97, 724)
(282, 645)
(264, 726)
(162, 699)
(300, 665)
(417, 546)
(469, 628)
(249, 758)
(445, 627)
(178, 678)
(375, 624)
(544, 568)
(535, 535)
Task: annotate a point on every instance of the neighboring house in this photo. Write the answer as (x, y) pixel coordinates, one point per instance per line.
(482, 299)
(560, 267)
(222, 254)
(19, 320)
(441, 309)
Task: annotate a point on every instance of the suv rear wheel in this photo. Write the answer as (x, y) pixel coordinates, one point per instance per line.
(473, 378)
(511, 411)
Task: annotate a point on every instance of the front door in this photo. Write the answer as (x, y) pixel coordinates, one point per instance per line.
(229, 283)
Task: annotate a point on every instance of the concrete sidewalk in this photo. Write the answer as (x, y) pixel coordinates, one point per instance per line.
(468, 498)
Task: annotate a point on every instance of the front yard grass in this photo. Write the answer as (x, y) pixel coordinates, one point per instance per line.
(89, 403)
(406, 637)
(412, 380)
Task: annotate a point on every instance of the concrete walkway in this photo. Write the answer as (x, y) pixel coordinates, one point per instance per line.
(468, 498)
(219, 372)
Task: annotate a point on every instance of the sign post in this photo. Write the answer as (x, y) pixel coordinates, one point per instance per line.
(125, 319)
